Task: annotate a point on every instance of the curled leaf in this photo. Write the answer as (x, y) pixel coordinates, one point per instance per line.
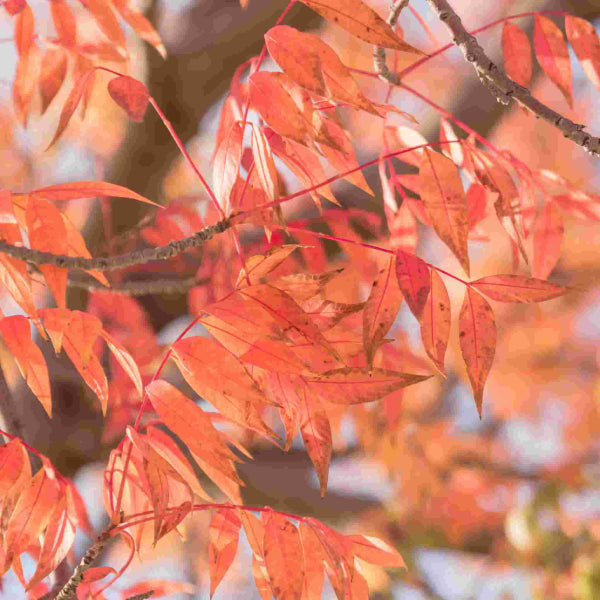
(131, 95)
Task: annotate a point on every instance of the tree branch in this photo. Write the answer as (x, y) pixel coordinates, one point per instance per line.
(141, 288)
(501, 86)
(119, 261)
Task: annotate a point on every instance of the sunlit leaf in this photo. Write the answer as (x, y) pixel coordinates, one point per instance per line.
(515, 288)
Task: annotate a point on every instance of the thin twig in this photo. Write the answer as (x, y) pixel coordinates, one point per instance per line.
(137, 257)
(141, 288)
(70, 588)
(503, 88)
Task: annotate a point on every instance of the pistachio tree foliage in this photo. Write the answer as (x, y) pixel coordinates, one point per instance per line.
(323, 293)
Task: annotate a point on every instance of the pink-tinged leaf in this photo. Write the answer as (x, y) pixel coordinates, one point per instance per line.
(224, 533)
(443, 195)
(16, 333)
(14, 7)
(16, 281)
(83, 83)
(314, 568)
(97, 573)
(376, 551)
(277, 107)
(586, 45)
(131, 95)
(413, 279)
(354, 385)
(316, 434)
(477, 339)
(435, 323)
(517, 54)
(160, 588)
(264, 163)
(552, 54)
(361, 21)
(284, 557)
(47, 232)
(548, 234)
(452, 148)
(515, 288)
(476, 204)
(87, 189)
(106, 20)
(140, 24)
(125, 360)
(14, 468)
(260, 265)
(381, 308)
(54, 71)
(227, 164)
(220, 378)
(64, 23)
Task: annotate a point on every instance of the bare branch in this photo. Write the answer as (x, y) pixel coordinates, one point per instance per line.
(141, 288)
(500, 85)
(119, 261)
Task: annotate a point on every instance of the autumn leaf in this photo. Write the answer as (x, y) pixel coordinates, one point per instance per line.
(284, 557)
(355, 385)
(16, 333)
(444, 199)
(435, 322)
(224, 533)
(106, 20)
(477, 339)
(376, 551)
(54, 70)
(226, 165)
(125, 359)
(381, 308)
(361, 21)
(259, 266)
(413, 279)
(552, 54)
(264, 163)
(131, 95)
(64, 22)
(87, 189)
(517, 54)
(548, 234)
(140, 24)
(515, 288)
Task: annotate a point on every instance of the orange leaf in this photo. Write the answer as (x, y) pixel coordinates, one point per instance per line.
(264, 163)
(354, 385)
(515, 288)
(435, 323)
(376, 551)
(54, 70)
(284, 557)
(220, 378)
(277, 107)
(24, 30)
(260, 265)
(477, 340)
(443, 195)
(159, 587)
(131, 95)
(517, 54)
(552, 54)
(548, 233)
(82, 84)
(64, 22)
(125, 360)
(381, 308)
(586, 45)
(106, 20)
(87, 189)
(138, 22)
(314, 574)
(47, 232)
(224, 533)
(413, 278)
(226, 164)
(361, 21)
(14, 7)
(16, 282)
(16, 333)
(316, 434)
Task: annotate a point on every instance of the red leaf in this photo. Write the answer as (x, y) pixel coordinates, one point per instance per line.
(131, 95)
(517, 54)
(376, 551)
(14, 7)
(284, 557)
(586, 45)
(435, 323)
(381, 308)
(54, 70)
(106, 20)
(24, 30)
(224, 533)
(353, 385)
(515, 288)
(552, 54)
(264, 163)
(138, 22)
(413, 278)
(87, 189)
(227, 164)
(477, 340)
(314, 574)
(16, 333)
(125, 360)
(64, 23)
(443, 195)
(548, 233)
(159, 587)
(361, 21)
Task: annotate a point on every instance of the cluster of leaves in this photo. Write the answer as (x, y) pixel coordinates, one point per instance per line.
(279, 340)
